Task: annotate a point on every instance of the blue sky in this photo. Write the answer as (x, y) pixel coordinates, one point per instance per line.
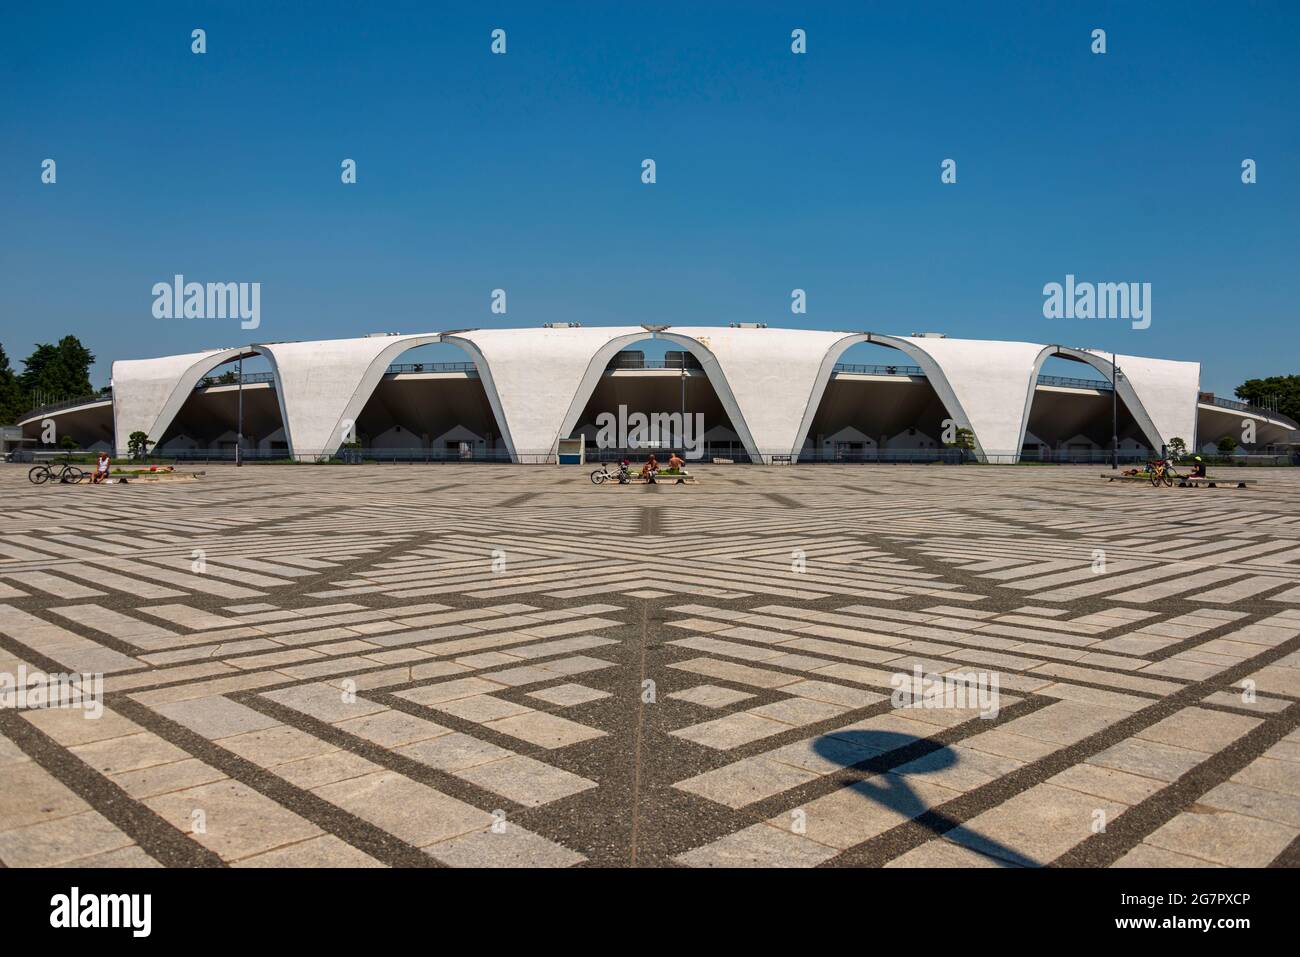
(775, 171)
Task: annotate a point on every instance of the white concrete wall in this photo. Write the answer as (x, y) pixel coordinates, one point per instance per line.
(533, 377)
(769, 380)
(323, 385)
(1168, 391)
(989, 381)
(771, 373)
(1129, 390)
(699, 348)
(982, 384)
(147, 393)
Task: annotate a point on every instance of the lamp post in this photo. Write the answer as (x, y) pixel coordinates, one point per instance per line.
(1114, 414)
(239, 428)
(683, 390)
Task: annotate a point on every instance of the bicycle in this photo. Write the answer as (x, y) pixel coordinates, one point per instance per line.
(67, 475)
(603, 474)
(1162, 473)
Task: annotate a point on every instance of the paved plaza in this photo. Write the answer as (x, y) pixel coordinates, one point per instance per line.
(506, 666)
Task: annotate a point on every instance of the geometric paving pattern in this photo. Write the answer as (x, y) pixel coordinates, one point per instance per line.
(507, 666)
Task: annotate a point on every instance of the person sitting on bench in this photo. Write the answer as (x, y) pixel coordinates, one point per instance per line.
(101, 468)
(1198, 469)
(650, 469)
(677, 462)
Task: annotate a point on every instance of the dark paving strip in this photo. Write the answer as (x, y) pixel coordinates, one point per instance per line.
(956, 658)
(782, 803)
(782, 500)
(31, 656)
(435, 778)
(1002, 598)
(517, 500)
(362, 835)
(920, 833)
(1011, 525)
(155, 835)
(1289, 857)
(434, 490)
(637, 744)
(649, 521)
(1142, 819)
(908, 835)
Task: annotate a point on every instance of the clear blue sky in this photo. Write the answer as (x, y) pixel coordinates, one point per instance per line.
(775, 171)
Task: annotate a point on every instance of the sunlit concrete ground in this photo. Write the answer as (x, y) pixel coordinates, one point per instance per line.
(505, 665)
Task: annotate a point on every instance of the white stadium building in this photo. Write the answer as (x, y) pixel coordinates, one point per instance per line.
(764, 395)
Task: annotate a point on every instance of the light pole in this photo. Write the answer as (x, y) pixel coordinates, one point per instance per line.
(239, 428)
(683, 432)
(1114, 414)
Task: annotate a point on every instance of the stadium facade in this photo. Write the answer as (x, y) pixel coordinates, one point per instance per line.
(766, 393)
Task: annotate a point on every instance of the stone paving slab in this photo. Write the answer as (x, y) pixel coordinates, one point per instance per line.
(813, 666)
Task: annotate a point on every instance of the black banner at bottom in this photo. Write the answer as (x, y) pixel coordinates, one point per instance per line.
(336, 906)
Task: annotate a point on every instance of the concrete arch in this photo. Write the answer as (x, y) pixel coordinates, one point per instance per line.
(322, 385)
(1168, 390)
(708, 361)
(1124, 388)
(29, 419)
(530, 397)
(769, 381)
(770, 372)
(148, 393)
(489, 386)
(981, 384)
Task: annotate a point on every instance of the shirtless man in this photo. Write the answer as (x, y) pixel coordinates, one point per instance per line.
(101, 469)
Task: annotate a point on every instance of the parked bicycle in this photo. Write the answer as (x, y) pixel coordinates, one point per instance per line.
(65, 475)
(1162, 473)
(603, 474)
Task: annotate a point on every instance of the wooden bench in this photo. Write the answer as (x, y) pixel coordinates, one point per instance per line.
(157, 477)
(1207, 482)
(661, 479)
(1185, 481)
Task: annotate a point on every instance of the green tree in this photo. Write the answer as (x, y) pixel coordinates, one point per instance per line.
(57, 372)
(11, 394)
(1177, 448)
(68, 444)
(137, 445)
(963, 439)
(1227, 445)
(1285, 387)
